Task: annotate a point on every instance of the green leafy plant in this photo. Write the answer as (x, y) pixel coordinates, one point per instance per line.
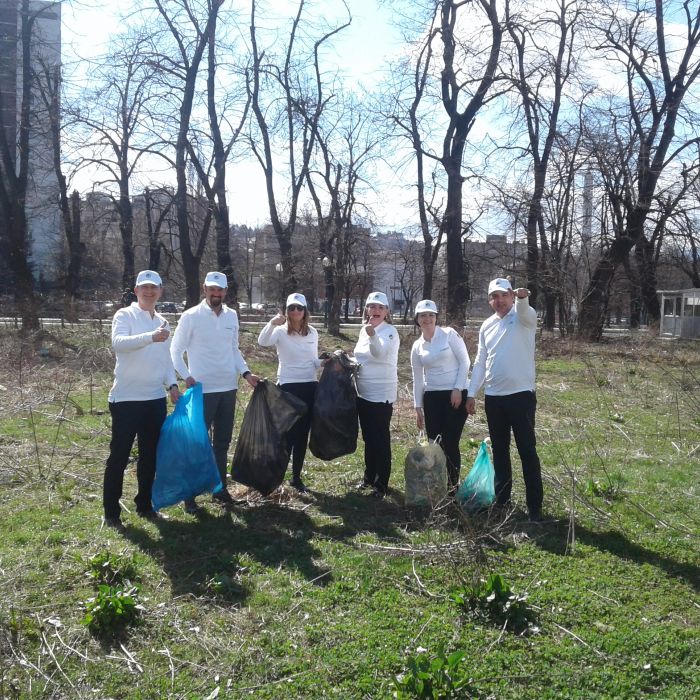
(433, 677)
(493, 600)
(111, 569)
(611, 488)
(111, 610)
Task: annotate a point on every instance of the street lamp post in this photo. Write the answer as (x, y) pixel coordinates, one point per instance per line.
(327, 264)
(280, 270)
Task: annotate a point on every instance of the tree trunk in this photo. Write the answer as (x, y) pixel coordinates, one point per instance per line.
(646, 265)
(457, 283)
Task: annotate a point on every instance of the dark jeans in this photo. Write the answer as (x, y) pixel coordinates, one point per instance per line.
(298, 436)
(132, 419)
(219, 412)
(441, 419)
(516, 412)
(375, 419)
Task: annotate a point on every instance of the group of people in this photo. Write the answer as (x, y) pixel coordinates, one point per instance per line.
(204, 348)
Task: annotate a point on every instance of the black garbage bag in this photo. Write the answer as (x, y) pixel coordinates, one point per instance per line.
(334, 421)
(261, 455)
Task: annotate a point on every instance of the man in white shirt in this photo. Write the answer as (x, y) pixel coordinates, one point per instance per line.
(142, 374)
(208, 333)
(505, 365)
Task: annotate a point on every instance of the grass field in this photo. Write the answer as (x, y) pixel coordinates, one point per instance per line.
(336, 595)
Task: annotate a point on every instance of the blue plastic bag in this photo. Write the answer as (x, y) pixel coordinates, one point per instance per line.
(478, 490)
(185, 464)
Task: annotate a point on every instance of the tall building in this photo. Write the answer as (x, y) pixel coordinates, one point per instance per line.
(43, 218)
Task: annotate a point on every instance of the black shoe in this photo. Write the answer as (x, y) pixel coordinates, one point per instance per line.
(115, 524)
(299, 485)
(535, 516)
(153, 515)
(223, 498)
(191, 507)
(378, 494)
(364, 485)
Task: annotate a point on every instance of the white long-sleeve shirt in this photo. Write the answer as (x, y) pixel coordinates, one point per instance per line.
(297, 355)
(211, 344)
(377, 356)
(505, 359)
(143, 368)
(439, 364)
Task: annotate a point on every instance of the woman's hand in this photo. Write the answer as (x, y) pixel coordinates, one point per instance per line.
(455, 398)
(369, 329)
(278, 320)
(420, 419)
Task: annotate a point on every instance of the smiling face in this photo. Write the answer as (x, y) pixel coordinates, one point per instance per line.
(501, 302)
(147, 295)
(215, 296)
(426, 321)
(295, 315)
(376, 313)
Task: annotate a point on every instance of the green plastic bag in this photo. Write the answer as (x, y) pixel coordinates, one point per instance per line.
(478, 490)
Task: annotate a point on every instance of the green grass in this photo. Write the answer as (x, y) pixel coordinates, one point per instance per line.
(331, 595)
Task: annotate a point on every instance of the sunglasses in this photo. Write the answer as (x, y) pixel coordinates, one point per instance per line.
(295, 307)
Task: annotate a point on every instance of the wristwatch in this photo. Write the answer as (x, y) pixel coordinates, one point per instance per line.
(172, 386)
(246, 373)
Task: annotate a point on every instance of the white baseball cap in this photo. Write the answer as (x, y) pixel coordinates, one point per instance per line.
(426, 305)
(377, 298)
(216, 279)
(500, 284)
(148, 277)
(296, 298)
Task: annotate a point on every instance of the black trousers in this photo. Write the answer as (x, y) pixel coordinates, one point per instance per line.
(375, 419)
(515, 412)
(298, 436)
(219, 412)
(447, 422)
(132, 419)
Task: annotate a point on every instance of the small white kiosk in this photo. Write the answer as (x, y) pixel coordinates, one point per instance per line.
(680, 313)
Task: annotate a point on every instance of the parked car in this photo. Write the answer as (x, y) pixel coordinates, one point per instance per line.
(166, 307)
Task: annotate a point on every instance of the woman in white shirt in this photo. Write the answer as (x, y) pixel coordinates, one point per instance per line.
(440, 365)
(296, 343)
(377, 352)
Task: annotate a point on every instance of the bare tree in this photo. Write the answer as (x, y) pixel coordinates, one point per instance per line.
(213, 177)
(543, 54)
(191, 26)
(48, 88)
(278, 91)
(462, 98)
(657, 85)
(15, 166)
(345, 148)
(406, 116)
(118, 114)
